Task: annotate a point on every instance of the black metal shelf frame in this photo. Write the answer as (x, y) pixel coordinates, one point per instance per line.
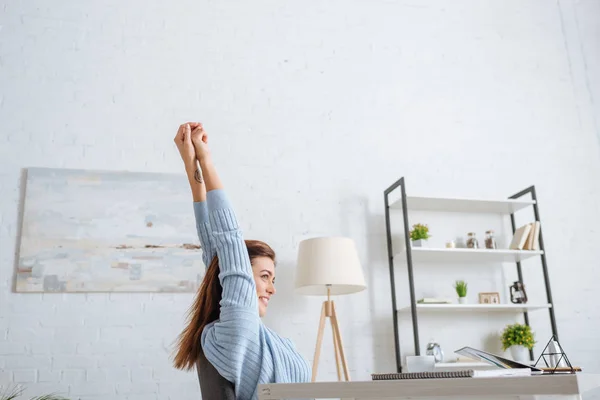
(401, 183)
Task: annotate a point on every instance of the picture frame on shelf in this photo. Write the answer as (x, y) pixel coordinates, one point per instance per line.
(489, 298)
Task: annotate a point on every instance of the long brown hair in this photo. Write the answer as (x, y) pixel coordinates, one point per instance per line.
(205, 308)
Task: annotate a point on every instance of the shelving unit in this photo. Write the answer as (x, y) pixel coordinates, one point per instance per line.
(410, 255)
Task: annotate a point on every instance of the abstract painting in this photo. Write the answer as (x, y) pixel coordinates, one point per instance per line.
(102, 231)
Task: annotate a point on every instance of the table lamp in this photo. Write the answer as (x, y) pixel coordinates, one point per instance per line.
(329, 266)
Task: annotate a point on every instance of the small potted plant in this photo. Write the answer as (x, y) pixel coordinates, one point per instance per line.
(419, 235)
(519, 339)
(461, 291)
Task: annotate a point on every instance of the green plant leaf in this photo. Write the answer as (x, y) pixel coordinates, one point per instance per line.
(14, 392)
(11, 393)
(517, 334)
(461, 288)
(419, 231)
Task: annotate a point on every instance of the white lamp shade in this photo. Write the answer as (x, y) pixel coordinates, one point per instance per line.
(328, 261)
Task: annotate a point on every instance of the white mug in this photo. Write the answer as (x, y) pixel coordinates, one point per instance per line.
(420, 363)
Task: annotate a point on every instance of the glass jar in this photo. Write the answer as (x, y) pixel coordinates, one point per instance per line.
(490, 241)
(472, 242)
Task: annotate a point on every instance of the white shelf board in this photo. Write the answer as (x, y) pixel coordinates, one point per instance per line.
(478, 307)
(504, 206)
(425, 254)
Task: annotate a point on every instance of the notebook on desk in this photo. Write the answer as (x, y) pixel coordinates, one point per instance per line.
(468, 373)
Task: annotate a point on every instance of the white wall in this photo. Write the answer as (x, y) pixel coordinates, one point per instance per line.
(313, 109)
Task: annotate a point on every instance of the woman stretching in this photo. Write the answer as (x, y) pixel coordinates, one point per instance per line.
(225, 319)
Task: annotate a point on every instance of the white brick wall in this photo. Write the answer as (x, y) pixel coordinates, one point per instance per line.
(313, 110)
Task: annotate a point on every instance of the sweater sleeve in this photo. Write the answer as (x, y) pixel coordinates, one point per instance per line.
(204, 234)
(232, 343)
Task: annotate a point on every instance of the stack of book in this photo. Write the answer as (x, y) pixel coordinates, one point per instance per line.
(527, 237)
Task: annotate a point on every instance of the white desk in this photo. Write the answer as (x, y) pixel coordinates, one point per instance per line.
(558, 386)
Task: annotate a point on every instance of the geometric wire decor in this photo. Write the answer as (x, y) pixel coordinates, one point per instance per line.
(555, 359)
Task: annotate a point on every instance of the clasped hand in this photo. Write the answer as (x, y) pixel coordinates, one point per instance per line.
(192, 142)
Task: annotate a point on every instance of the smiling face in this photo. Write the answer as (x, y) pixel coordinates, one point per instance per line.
(263, 269)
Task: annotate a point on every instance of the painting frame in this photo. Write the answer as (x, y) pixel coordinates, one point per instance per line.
(107, 231)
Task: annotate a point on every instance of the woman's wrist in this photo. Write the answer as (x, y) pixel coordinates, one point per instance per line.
(210, 175)
(206, 162)
(196, 181)
(197, 186)
(190, 168)
(194, 174)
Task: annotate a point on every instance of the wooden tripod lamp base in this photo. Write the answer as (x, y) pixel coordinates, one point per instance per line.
(329, 265)
(328, 311)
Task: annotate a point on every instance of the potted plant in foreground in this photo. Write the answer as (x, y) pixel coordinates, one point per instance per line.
(519, 339)
(15, 392)
(461, 291)
(419, 235)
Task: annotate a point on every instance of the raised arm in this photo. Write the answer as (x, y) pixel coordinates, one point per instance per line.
(186, 149)
(239, 289)
(232, 343)
(204, 234)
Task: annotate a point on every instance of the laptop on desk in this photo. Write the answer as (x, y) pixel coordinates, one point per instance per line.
(495, 360)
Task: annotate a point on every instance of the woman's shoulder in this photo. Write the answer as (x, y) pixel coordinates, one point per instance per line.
(206, 329)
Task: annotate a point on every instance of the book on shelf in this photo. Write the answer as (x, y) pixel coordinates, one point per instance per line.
(433, 300)
(467, 373)
(526, 237)
(533, 240)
